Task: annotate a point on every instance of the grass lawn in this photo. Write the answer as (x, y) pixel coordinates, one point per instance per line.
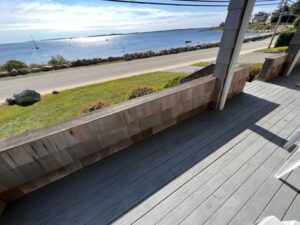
(55, 108)
(201, 64)
(273, 50)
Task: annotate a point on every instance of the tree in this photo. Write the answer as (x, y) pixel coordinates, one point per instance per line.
(222, 24)
(295, 8)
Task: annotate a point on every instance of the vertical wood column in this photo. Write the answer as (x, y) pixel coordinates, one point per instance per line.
(293, 52)
(2, 207)
(239, 13)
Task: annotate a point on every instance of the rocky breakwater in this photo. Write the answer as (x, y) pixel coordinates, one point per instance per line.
(126, 57)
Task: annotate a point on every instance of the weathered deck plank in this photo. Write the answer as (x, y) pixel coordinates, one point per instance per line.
(258, 202)
(282, 200)
(293, 211)
(241, 149)
(263, 150)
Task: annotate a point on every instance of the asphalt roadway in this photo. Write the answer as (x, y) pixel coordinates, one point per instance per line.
(81, 76)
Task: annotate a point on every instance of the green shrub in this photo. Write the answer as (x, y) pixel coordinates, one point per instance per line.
(255, 69)
(284, 19)
(284, 39)
(174, 82)
(94, 105)
(57, 60)
(14, 64)
(296, 22)
(140, 91)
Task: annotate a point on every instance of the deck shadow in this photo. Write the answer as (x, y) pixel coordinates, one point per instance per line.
(269, 135)
(291, 82)
(113, 186)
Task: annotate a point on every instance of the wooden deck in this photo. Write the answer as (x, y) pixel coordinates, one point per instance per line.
(216, 168)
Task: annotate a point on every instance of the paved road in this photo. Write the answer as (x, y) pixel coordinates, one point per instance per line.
(74, 77)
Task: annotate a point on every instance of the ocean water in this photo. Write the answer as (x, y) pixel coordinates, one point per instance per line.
(105, 46)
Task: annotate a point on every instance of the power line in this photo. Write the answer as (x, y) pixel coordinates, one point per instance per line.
(183, 4)
(162, 3)
(228, 0)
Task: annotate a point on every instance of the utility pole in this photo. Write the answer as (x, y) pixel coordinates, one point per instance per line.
(278, 22)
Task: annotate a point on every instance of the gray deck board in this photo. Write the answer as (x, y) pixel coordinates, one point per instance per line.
(282, 200)
(215, 168)
(213, 202)
(259, 201)
(224, 214)
(242, 151)
(293, 211)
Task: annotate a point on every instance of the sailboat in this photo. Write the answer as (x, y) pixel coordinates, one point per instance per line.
(34, 43)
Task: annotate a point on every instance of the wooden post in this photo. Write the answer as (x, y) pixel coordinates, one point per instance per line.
(2, 207)
(239, 13)
(293, 51)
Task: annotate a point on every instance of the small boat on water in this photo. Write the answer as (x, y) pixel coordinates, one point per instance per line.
(35, 44)
(187, 42)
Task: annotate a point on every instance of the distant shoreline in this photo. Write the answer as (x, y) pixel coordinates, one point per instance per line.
(106, 35)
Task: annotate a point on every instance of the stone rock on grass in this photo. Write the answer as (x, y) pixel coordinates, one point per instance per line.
(27, 97)
(55, 92)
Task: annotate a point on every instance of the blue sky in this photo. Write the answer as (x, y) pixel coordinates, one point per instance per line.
(68, 18)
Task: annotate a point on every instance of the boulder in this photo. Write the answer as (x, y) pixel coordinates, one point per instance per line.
(110, 59)
(13, 72)
(55, 92)
(27, 97)
(57, 67)
(64, 66)
(127, 57)
(76, 63)
(47, 68)
(24, 71)
(36, 70)
(93, 61)
(4, 74)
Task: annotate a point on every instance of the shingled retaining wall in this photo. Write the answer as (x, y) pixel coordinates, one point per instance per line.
(273, 67)
(37, 158)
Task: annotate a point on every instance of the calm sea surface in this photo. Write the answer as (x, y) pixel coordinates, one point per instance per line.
(105, 46)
